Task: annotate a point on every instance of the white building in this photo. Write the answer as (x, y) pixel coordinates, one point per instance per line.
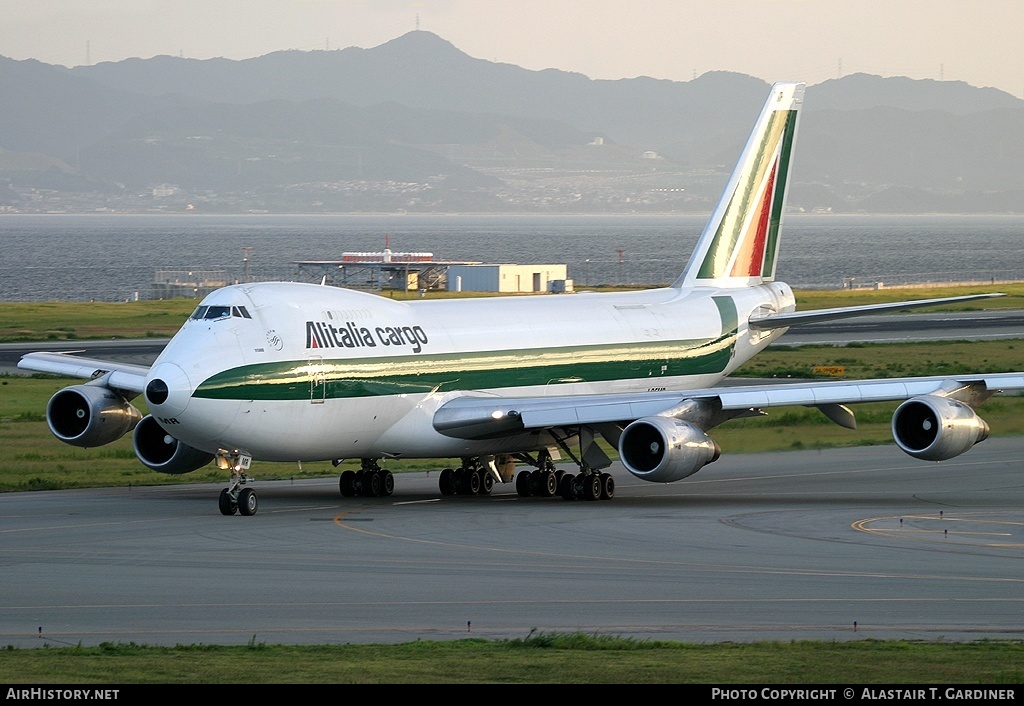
(505, 278)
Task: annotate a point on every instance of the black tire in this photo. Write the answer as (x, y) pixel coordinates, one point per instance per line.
(372, 484)
(592, 487)
(347, 484)
(387, 482)
(446, 483)
(226, 504)
(248, 503)
(607, 486)
(565, 486)
(523, 484)
(549, 485)
(471, 481)
(486, 482)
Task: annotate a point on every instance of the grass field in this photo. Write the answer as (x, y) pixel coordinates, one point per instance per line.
(538, 659)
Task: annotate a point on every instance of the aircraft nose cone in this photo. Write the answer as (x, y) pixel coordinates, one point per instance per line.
(168, 390)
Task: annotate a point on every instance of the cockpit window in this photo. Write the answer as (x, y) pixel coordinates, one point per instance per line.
(219, 312)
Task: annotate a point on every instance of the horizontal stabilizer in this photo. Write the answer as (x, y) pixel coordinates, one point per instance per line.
(798, 318)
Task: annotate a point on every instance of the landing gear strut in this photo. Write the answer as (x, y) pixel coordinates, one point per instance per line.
(236, 498)
(370, 481)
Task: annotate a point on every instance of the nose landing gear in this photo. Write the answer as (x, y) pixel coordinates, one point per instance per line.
(236, 498)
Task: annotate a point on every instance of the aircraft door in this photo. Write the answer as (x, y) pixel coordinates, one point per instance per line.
(317, 380)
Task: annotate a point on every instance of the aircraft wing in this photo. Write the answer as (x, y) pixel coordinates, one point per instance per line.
(119, 376)
(473, 417)
(796, 318)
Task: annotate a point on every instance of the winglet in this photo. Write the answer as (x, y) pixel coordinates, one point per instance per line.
(739, 245)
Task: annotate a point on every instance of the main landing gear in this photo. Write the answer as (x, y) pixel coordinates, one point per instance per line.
(370, 481)
(472, 478)
(546, 481)
(236, 498)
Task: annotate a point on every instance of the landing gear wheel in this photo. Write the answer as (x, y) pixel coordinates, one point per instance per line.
(227, 505)
(565, 486)
(387, 482)
(347, 484)
(447, 482)
(607, 486)
(248, 502)
(523, 484)
(592, 487)
(372, 484)
(548, 484)
(470, 481)
(486, 483)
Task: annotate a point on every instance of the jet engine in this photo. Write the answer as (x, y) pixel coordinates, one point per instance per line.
(936, 428)
(665, 449)
(161, 452)
(90, 415)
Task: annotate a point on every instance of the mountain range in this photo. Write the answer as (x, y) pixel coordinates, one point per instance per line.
(416, 124)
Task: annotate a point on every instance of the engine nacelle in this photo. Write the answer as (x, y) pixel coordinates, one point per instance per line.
(161, 452)
(90, 415)
(936, 428)
(664, 449)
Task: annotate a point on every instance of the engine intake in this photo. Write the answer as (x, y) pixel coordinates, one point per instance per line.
(90, 415)
(161, 452)
(936, 428)
(664, 449)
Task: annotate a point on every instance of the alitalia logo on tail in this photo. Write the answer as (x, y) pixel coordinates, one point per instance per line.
(739, 247)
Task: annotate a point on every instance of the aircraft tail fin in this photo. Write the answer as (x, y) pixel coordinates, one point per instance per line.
(739, 245)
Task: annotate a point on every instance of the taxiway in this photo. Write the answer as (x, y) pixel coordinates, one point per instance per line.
(838, 544)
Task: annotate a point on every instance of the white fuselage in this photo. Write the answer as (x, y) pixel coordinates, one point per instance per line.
(286, 371)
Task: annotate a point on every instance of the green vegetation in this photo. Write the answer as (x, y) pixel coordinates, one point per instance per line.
(878, 360)
(57, 321)
(537, 659)
(828, 298)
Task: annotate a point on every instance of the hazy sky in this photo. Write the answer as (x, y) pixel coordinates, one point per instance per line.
(977, 41)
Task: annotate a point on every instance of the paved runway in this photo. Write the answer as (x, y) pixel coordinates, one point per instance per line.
(832, 545)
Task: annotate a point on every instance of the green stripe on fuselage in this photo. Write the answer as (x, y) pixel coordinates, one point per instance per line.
(417, 374)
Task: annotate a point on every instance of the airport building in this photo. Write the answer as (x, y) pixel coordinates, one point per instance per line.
(508, 278)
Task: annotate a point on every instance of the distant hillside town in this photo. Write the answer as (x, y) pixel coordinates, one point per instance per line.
(416, 125)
